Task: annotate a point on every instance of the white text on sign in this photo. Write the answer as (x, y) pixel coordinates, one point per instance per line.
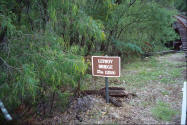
(106, 66)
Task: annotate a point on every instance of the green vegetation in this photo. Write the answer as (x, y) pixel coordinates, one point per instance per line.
(163, 111)
(140, 73)
(181, 5)
(43, 43)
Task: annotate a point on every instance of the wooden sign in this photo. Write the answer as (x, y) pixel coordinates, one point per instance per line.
(106, 66)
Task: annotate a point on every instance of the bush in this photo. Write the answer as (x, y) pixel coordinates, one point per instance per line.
(37, 66)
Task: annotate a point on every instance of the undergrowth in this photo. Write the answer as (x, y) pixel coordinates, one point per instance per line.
(140, 73)
(162, 111)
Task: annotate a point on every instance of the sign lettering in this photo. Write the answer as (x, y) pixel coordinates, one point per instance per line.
(106, 66)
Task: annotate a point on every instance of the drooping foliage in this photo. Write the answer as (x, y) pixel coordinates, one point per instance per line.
(181, 5)
(42, 42)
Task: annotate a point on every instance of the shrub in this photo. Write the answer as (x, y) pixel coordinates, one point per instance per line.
(37, 66)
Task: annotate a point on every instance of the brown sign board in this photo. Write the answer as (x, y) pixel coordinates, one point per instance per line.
(106, 66)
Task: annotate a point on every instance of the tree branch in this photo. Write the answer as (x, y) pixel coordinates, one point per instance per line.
(9, 66)
(132, 2)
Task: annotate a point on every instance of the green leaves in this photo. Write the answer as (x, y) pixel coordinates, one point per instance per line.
(128, 47)
(6, 24)
(45, 68)
(27, 83)
(152, 25)
(47, 40)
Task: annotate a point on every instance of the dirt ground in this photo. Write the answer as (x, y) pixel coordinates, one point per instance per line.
(92, 109)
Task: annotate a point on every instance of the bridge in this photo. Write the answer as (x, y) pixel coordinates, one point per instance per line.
(180, 27)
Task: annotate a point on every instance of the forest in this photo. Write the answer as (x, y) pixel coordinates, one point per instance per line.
(44, 44)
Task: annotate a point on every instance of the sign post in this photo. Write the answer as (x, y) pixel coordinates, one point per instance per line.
(106, 91)
(106, 66)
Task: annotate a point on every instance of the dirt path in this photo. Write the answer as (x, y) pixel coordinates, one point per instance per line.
(157, 81)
